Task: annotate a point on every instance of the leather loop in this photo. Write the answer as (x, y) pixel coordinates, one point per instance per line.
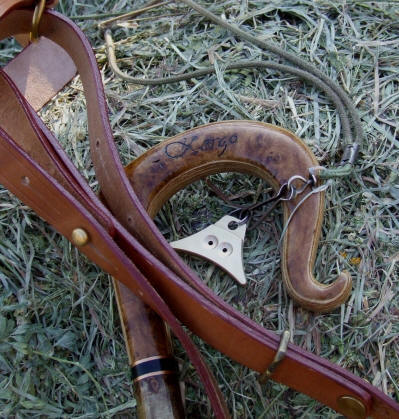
(280, 354)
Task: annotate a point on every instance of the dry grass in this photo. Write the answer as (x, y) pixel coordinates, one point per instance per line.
(61, 348)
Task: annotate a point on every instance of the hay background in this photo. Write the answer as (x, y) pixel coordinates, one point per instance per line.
(61, 347)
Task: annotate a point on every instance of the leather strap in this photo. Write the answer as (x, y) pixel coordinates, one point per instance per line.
(40, 71)
(127, 244)
(7, 6)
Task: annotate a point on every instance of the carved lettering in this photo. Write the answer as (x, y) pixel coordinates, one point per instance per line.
(193, 145)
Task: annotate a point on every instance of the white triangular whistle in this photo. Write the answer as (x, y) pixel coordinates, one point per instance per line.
(220, 243)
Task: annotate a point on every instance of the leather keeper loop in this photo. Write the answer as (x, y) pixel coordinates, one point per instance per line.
(280, 354)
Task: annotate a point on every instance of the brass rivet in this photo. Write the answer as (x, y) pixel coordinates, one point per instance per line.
(351, 407)
(79, 237)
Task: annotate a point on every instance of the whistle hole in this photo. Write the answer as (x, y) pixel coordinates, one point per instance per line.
(233, 225)
(210, 242)
(97, 143)
(225, 249)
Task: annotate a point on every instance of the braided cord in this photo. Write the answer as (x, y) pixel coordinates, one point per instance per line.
(352, 131)
(304, 65)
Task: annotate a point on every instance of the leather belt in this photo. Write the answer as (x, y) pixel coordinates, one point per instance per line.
(122, 239)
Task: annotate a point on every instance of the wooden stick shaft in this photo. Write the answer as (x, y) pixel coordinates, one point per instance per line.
(149, 348)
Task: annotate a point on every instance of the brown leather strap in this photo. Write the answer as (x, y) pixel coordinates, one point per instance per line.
(43, 171)
(24, 177)
(7, 6)
(39, 72)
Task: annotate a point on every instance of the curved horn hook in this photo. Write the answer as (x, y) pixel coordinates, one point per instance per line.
(259, 149)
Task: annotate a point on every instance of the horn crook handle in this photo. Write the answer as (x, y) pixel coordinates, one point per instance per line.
(256, 148)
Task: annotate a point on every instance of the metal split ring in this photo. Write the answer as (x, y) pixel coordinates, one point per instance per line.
(37, 16)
